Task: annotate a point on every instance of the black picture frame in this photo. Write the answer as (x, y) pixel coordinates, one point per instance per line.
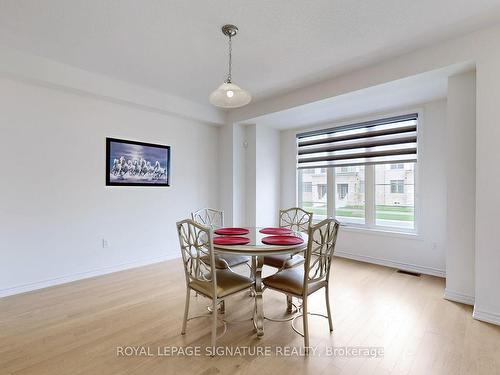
(128, 179)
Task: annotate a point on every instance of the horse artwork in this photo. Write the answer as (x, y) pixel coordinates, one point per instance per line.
(131, 163)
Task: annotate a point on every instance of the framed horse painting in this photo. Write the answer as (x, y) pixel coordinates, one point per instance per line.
(131, 163)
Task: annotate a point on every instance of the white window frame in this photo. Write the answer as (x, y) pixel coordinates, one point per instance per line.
(370, 224)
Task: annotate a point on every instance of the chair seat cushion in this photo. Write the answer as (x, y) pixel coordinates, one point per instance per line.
(228, 283)
(230, 260)
(234, 259)
(291, 281)
(277, 261)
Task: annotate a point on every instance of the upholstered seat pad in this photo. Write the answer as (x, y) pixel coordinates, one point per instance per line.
(277, 261)
(225, 261)
(228, 283)
(233, 259)
(291, 280)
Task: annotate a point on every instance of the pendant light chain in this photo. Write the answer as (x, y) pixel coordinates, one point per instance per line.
(230, 59)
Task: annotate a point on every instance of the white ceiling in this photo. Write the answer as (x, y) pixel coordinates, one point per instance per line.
(176, 46)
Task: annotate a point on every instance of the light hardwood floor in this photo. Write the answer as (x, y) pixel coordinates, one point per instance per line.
(76, 328)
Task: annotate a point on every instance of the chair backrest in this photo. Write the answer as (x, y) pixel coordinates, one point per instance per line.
(209, 217)
(196, 242)
(320, 248)
(296, 219)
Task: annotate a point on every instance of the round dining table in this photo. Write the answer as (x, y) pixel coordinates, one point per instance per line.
(256, 249)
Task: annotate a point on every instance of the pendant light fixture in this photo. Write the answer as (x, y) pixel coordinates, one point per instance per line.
(229, 95)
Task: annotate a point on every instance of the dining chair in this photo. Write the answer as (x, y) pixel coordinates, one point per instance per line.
(202, 276)
(299, 220)
(296, 219)
(300, 282)
(215, 219)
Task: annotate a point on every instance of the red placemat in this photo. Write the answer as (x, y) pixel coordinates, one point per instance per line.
(276, 231)
(282, 240)
(231, 231)
(231, 240)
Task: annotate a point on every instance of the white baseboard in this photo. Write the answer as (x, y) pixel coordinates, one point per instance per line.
(81, 275)
(458, 297)
(390, 263)
(486, 316)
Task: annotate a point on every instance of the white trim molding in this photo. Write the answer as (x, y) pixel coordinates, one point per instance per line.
(24, 288)
(454, 296)
(393, 264)
(486, 316)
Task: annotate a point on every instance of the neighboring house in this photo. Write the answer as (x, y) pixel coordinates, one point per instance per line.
(350, 186)
(314, 185)
(394, 185)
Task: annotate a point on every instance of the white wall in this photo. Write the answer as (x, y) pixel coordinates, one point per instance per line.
(55, 209)
(256, 169)
(461, 180)
(227, 175)
(487, 260)
(288, 175)
(250, 182)
(267, 176)
(239, 161)
(257, 175)
(426, 253)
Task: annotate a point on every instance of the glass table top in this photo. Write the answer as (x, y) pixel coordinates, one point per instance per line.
(257, 247)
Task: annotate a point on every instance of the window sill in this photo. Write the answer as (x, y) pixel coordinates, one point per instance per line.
(381, 232)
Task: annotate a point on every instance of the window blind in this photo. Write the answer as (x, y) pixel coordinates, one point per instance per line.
(389, 140)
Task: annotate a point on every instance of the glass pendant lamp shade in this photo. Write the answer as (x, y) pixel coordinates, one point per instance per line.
(229, 95)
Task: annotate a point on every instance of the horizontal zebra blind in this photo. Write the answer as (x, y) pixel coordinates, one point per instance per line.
(390, 140)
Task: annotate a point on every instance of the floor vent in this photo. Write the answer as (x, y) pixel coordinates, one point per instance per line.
(416, 274)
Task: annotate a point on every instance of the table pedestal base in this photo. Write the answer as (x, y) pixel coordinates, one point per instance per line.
(258, 317)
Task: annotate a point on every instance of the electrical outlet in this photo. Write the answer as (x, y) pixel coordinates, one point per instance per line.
(105, 243)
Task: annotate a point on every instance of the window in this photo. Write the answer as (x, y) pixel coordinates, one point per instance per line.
(321, 191)
(347, 169)
(361, 174)
(397, 186)
(342, 190)
(391, 205)
(349, 196)
(313, 191)
(395, 196)
(397, 166)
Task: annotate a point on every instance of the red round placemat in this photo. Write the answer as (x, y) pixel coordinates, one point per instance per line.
(276, 231)
(282, 240)
(231, 231)
(231, 240)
